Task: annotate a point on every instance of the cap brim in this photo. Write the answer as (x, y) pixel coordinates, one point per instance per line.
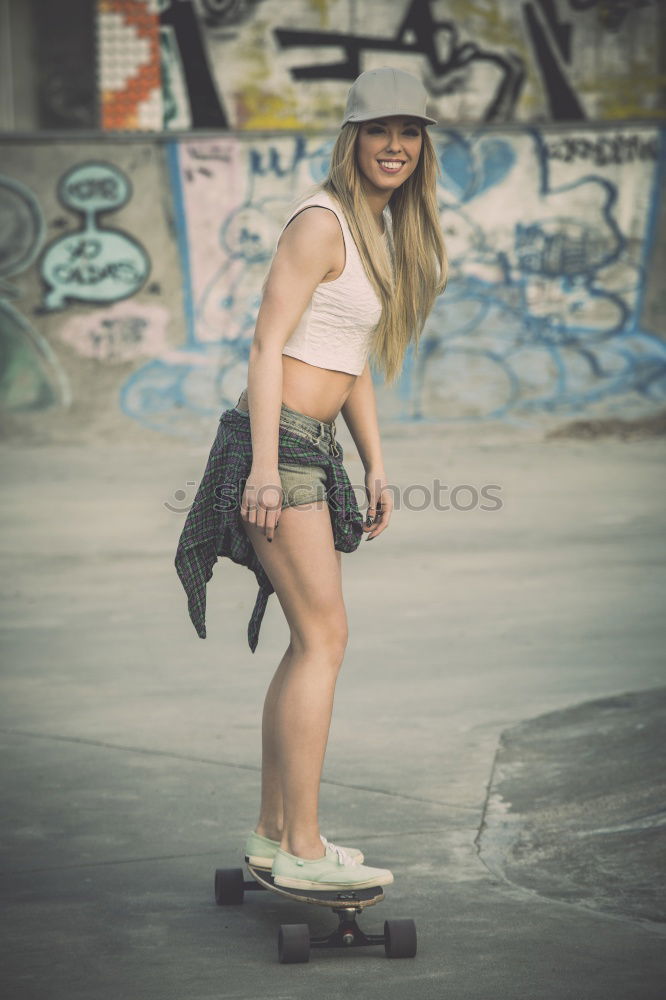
(388, 114)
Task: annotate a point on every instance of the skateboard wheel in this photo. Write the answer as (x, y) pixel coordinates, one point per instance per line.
(229, 886)
(294, 943)
(400, 938)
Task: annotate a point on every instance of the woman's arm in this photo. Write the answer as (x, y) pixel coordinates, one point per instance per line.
(360, 414)
(307, 251)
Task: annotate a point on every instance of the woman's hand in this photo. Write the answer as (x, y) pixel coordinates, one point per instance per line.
(380, 502)
(262, 500)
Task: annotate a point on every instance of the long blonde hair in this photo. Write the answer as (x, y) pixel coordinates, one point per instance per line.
(408, 291)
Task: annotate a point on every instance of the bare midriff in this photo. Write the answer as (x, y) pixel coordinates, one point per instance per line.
(318, 392)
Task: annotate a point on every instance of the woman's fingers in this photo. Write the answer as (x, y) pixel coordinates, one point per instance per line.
(270, 525)
(265, 510)
(249, 511)
(378, 517)
(370, 516)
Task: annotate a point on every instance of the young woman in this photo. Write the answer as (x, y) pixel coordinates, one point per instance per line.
(357, 269)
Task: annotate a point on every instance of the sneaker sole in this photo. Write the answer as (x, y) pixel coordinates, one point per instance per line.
(303, 883)
(257, 862)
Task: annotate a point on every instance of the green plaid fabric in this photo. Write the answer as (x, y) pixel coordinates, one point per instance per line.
(213, 526)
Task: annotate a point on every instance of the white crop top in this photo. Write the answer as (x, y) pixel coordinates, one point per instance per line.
(336, 328)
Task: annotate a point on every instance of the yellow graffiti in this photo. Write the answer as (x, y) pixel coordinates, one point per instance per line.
(258, 108)
(322, 7)
(614, 99)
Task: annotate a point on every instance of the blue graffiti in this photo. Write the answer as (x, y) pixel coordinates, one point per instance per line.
(542, 312)
(180, 398)
(471, 167)
(549, 322)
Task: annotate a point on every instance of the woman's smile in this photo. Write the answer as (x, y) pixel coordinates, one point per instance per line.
(391, 166)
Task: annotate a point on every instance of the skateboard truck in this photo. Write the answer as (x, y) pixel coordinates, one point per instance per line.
(294, 941)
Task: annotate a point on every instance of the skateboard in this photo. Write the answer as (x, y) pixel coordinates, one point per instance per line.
(294, 940)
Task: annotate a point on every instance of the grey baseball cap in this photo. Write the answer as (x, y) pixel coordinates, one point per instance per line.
(378, 93)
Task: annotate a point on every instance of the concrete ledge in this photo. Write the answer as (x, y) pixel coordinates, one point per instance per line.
(576, 808)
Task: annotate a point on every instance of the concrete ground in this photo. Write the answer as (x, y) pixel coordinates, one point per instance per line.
(131, 748)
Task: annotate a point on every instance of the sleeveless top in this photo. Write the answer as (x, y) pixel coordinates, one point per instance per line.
(335, 331)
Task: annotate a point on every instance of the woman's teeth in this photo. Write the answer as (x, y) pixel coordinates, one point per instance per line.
(390, 166)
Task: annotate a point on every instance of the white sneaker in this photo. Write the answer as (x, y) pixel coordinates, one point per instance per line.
(260, 851)
(336, 870)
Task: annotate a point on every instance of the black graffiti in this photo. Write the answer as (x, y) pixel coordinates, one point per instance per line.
(547, 34)
(422, 33)
(80, 270)
(205, 108)
(120, 271)
(228, 13)
(211, 152)
(559, 247)
(105, 187)
(116, 334)
(603, 150)
(551, 40)
(560, 30)
(611, 13)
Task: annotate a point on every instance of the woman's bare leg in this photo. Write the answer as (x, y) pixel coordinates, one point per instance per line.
(304, 568)
(271, 814)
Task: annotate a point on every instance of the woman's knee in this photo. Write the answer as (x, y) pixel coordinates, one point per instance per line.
(326, 634)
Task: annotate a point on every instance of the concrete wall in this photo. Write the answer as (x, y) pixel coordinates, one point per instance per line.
(131, 274)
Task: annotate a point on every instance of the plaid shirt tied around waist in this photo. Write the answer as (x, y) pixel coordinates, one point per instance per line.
(214, 528)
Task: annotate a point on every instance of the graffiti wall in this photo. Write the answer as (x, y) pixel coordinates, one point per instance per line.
(165, 65)
(90, 280)
(132, 274)
(256, 64)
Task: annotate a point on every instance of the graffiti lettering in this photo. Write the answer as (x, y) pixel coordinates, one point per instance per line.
(546, 34)
(560, 30)
(98, 264)
(268, 162)
(222, 153)
(558, 248)
(184, 59)
(121, 333)
(604, 150)
(122, 271)
(105, 188)
(420, 32)
(500, 61)
(545, 302)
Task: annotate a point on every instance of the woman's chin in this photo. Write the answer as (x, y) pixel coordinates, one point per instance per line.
(382, 183)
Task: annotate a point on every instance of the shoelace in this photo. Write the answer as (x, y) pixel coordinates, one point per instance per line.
(343, 857)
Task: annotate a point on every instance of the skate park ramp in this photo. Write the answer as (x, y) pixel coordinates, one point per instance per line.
(576, 807)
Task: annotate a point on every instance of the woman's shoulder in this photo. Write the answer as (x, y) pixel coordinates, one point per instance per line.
(315, 216)
(318, 196)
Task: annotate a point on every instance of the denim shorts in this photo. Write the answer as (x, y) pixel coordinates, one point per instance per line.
(301, 483)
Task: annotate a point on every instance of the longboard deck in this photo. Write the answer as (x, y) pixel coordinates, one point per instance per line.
(337, 899)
